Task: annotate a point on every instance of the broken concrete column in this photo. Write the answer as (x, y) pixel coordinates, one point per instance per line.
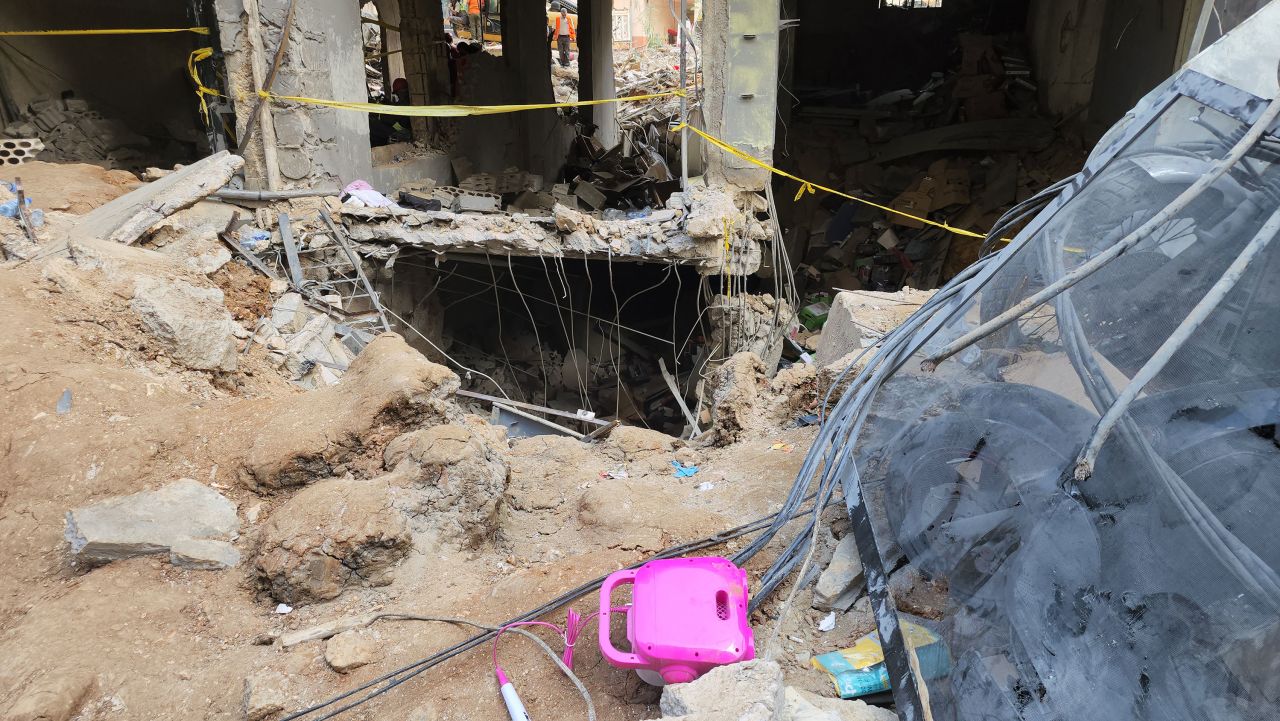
(153, 522)
(191, 323)
(329, 536)
(751, 323)
(841, 583)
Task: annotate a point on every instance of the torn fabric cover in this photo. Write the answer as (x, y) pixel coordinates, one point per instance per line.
(1147, 585)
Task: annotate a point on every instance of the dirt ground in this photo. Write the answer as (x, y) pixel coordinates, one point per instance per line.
(144, 639)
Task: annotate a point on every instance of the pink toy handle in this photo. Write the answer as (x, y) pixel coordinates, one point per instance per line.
(611, 654)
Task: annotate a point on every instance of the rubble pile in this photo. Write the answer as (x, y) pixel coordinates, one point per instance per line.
(960, 150)
(73, 131)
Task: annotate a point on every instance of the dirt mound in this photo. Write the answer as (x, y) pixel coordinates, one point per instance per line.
(74, 188)
(331, 535)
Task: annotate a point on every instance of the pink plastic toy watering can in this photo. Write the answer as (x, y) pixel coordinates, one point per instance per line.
(687, 616)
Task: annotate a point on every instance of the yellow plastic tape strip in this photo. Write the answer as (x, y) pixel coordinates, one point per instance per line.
(201, 89)
(452, 111)
(113, 31)
(811, 187)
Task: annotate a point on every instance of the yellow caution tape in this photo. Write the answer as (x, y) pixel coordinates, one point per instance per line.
(201, 89)
(113, 31)
(811, 187)
(453, 111)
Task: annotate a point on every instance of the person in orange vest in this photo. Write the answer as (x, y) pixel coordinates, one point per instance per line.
(564, 31)
(473, 21)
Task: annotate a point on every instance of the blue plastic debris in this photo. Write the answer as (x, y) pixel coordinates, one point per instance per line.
(683, 471)
(64, 403)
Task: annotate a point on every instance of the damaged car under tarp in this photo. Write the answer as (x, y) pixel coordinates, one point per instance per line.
(1077, 436)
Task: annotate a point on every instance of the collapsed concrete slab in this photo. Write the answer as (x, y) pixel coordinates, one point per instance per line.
(129, 217)
(150, 522)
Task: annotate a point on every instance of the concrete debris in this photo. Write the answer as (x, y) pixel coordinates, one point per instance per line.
(750, 691)
(331, 535)
(264, 695)
(203, 555)
(460, 474)
(735, 395)
(804, 705)
(192, 324)
(150, 522)
(754, 691)
(350, 650)
(289, 313)
(73, 131)
(749, 322)
(127, 218)
(859, 319)
(841, 583)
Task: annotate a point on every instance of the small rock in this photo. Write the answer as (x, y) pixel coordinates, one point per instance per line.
(252, 513)
(350, 650)
(840, 584)
(283, 609)
(687, 456)
(265, 639)
(264, 695)
(149, 522)
(202, 555)
(828, 622)
(278, 286)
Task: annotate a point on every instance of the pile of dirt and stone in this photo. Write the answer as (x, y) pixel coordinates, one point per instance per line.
(179, 505)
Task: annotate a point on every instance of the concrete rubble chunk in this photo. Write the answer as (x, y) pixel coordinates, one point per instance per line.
(264, 695)
(750, 691)
(805, 706)
(859, 319)
(191, 323)
(839, 585)
(149, 522)
(350, 650)
(203, 555)
(129, 217)
(289, 313)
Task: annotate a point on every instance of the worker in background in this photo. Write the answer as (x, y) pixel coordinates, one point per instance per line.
(473, 21)
(564, 32)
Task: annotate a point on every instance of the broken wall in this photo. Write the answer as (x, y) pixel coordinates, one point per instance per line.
(324, 59)
(1064, 39)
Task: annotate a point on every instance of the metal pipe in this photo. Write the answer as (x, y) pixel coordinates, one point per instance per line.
(236, 194)
(1174, 343)
(684, 106)
(1099, 261)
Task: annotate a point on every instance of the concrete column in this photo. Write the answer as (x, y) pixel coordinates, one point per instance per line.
(740, 72)
(528, 56)
(325, 59)
(595, 66)
(389, 13)
(425, 58)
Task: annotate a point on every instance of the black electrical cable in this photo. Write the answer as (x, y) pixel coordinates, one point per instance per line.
(392, 679)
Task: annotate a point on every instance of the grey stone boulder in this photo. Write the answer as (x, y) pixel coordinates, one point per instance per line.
(150, 522)
(192, 324)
